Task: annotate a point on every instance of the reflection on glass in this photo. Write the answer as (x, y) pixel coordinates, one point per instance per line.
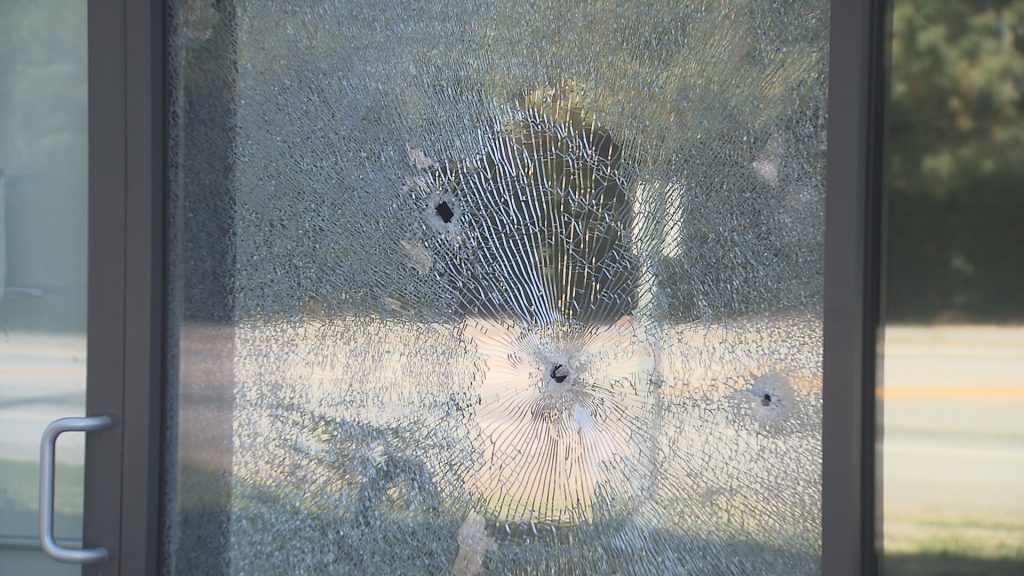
(43, 198)
(503, 287)
(953, 447)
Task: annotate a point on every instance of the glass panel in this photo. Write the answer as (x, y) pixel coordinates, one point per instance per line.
(43, 205)
(953, 448)
(519, 287)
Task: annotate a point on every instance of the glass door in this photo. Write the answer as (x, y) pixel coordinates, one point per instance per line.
(441, 287)
(80, 286)
(43, 270)
(507, 288)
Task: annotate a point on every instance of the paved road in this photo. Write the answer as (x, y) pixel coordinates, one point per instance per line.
(953, 415)
(42, 378)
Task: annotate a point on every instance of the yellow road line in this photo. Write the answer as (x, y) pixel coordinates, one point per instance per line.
(952, 392)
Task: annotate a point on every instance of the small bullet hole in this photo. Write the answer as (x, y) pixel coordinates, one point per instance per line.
(766, 400)
(559, 373)
(444, 211)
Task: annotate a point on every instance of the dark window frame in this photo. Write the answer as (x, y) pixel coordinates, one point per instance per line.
(127, 117)
(852, 322)
(125, 300)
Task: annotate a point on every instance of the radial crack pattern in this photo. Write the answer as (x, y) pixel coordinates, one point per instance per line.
(515, 288)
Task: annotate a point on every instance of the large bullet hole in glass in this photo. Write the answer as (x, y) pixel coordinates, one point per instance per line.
(559, 373)
(444, 212)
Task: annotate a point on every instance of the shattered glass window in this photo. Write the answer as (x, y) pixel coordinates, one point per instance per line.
(496, 288)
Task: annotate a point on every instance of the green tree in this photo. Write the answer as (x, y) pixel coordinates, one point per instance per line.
(954, 163)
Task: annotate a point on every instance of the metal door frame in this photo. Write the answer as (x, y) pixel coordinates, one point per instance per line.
(852, 323)
(127, 116)
(125, 306)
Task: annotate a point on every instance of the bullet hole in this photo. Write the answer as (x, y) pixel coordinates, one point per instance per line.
(766, 400)
(559, 373)
(444, 211)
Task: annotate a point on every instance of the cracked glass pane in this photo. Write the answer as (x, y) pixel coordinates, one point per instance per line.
(496, 288)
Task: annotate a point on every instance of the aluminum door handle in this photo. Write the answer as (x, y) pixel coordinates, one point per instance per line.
(47, 451)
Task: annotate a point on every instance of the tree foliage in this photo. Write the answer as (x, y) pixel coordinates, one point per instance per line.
(954, 161)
